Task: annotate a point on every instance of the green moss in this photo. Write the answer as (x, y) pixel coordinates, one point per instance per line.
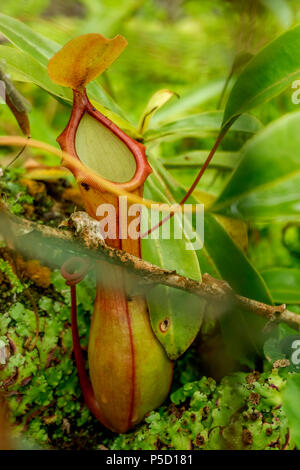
(242, 412)
(15, 284)
(15, 193)
(41, 383)
(45, 401)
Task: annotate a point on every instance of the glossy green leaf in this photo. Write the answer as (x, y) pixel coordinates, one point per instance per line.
(239, 62)
(272, 70)
(199, 124)
(26, 39)
(222, 257)
(284, 284)
(196, 158)
(241, 331)
(231, 262)
(24, 68)
(291, 400)
(227, 258)
(176, 316)
(187, 102)
(156, 102)
(265, 185)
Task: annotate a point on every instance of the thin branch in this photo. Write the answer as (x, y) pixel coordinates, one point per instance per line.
(84, 232)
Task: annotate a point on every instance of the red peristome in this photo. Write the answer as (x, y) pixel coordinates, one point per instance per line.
(66, 140)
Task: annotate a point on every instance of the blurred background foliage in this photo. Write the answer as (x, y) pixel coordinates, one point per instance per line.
(177, 44)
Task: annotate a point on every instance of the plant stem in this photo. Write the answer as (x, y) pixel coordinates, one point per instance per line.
(195, 183)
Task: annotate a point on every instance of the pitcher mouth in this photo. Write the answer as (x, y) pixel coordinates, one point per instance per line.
(82, 105)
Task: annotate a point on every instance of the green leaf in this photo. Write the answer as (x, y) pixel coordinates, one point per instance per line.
(24, 38)
(176, 316)
(240, 60)
(241, 331)
(25, 68)
(196, 158)
(96, 93)
(188, 101)
(271, 71)
(231, 262)
(265, 185)
(284, 284)
(225, 257)
(154, 104)
(291, 400)
(221, 257)
(199, 124)
(272, 350)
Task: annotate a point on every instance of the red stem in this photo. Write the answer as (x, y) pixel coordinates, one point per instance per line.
(84, 380)
(195, 183)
